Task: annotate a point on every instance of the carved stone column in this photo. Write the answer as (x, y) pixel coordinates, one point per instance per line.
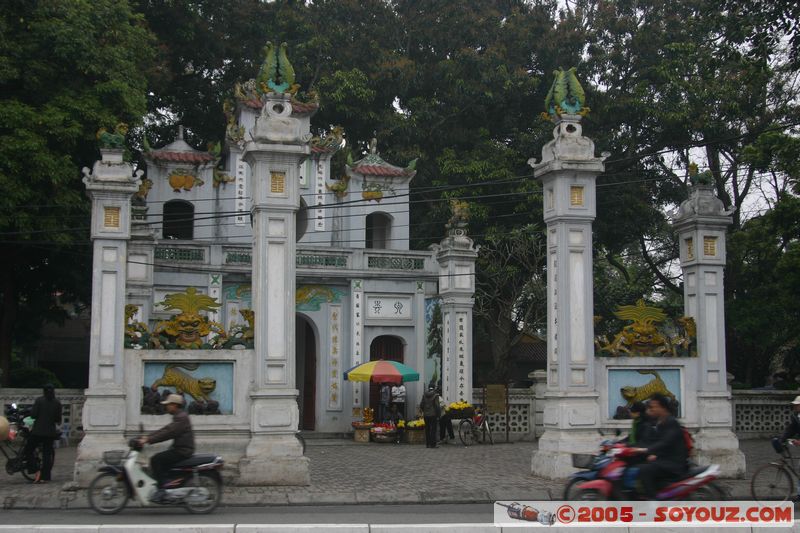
(568, 171)
(456, 256)
(701, 223)
(110, 185)
(280, 143)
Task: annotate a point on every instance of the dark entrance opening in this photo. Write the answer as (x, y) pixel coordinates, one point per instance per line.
(306, 375)
(387, 348)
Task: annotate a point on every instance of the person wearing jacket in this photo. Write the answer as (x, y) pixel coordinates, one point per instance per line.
(47, 414)
(430, 412)
(666, 453)
(180, 430)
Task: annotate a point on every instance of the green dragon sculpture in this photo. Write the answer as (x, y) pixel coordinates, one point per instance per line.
(112, 140)
(566, 95)
(276, 74)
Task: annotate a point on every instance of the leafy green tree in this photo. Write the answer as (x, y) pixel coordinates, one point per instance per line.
(66, 69)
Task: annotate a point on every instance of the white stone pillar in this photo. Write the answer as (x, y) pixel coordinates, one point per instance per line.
(456, 256)
(110, 185)
(279, 145)
(568, 171)
(701, 223)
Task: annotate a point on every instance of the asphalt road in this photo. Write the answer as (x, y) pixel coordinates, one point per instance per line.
(306, 514)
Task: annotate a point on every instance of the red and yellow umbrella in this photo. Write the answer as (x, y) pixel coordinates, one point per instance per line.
(382, 372)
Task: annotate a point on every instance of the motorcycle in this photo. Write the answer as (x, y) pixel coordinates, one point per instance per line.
(590, 466)
(13, 448)
(616, 481)
(194, 483)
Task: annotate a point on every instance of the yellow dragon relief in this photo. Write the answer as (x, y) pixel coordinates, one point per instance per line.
(187, 329)
(198, 388)
(643, 338)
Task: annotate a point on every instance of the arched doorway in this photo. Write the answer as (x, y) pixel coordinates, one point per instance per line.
(306, 375)
(388, 348)
(378, 231)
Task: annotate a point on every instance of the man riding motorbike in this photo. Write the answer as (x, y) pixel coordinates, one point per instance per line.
(666, 454)
(180, 429)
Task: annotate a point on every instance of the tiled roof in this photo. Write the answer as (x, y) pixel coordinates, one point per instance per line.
(195, 158)
(529, 351)
(379, 170)
(374, 165)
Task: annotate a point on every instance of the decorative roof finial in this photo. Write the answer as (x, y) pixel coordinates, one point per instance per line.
(373, 146)
(276, 74)
(180, 132)
(566, 95)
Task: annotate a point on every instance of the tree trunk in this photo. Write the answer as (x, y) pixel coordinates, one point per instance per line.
(8, 317)
(501, 345)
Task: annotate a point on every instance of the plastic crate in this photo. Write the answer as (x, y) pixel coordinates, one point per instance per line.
(114, 457)
(582, 460)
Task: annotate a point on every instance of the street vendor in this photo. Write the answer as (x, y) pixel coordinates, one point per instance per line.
(399, 398)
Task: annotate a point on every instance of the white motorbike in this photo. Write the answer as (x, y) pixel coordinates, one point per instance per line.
(194, 483)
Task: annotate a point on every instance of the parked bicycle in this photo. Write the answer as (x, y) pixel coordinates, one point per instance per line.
(13, 449)
(776, 481)
(475, 429)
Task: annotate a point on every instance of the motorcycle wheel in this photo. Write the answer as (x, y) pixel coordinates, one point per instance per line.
(30, 467)
(211, 484)
(590, 495)
(571, 491)
(707, 493)
(107, 494)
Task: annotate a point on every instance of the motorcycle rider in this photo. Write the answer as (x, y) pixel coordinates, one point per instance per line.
(667, 454)
(180, 429)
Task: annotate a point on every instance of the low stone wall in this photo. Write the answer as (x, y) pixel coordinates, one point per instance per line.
(71, 404)
(521, 415)
(761, 413)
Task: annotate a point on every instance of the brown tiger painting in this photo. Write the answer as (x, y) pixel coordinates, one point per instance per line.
(199, 389)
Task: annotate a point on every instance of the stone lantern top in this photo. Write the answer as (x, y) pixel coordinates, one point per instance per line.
(702, 201)
(566, 96)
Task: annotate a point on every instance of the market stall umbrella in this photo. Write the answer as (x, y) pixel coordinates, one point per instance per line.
(382, 372)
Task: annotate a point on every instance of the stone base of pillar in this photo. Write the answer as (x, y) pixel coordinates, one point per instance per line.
(90, 454)
(274, 460)
(570, 422)
(715, 443)
(553, 459)
(720, 447)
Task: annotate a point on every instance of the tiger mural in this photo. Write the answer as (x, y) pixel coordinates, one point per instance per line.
(633, 394)
(199, 389)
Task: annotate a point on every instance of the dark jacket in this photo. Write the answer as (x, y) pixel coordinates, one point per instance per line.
(792, 429)
(668, 444)
(47, 414)
(179, 429)
(642, 432)
(430, 404)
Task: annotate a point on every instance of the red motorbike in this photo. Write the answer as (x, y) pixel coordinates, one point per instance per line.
(617, 481)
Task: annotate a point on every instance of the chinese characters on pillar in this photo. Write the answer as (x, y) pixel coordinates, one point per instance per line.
(241, 193)
(319, 198)
(461, 357)
(446, 366)
(335, 370)
(358, 331)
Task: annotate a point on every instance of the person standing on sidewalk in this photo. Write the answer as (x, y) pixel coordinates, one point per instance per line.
(46, 413)
(386, 398)
(430, 412)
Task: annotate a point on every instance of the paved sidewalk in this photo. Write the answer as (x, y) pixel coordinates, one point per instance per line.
(343, 473)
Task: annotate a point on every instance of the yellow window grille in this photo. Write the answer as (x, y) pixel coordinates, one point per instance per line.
(710, 246)
(111, 217)
(277, 182)
(576, 195)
